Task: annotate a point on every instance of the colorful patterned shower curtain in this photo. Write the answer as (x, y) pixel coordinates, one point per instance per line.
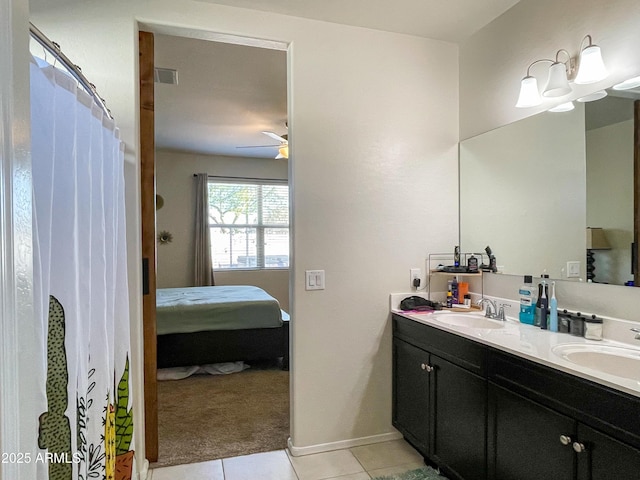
(81, 293)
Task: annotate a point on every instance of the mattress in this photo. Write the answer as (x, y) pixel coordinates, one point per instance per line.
(225, 307)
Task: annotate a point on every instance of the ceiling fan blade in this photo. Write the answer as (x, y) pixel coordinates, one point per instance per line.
(275, 136)
(259, 146)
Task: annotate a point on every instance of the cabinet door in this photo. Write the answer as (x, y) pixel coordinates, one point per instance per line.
(524, 439)
(600, 457)
(411, 394)
(459, 418)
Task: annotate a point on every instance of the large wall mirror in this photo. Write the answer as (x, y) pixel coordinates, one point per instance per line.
(531, 189)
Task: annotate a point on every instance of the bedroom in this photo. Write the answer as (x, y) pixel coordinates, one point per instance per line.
(225, 97)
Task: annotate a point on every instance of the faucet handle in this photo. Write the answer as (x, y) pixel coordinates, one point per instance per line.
(635, 330)
(501, 315)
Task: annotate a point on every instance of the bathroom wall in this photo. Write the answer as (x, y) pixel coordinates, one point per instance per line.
(494, 60)
(373, 118)
(175, 182)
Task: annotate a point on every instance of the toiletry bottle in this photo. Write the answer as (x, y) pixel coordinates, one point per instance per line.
(472, 264)
(454, 290)
(553, 309)
(544, 306)
(527, 301)
(449, 298)
(456, 256)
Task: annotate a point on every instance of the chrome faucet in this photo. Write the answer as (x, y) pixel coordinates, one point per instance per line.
(491, 310)
(637, 332)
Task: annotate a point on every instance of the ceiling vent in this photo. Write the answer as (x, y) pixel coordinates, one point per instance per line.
(165, 75)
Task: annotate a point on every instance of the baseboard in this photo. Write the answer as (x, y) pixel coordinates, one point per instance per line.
(142, 472)
(353, 442)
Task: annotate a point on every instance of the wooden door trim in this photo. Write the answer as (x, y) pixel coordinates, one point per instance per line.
(148, 220)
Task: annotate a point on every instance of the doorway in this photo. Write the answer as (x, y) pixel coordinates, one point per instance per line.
(173, 162)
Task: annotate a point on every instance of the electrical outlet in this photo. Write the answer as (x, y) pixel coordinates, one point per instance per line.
(573, 269)
(415, 273)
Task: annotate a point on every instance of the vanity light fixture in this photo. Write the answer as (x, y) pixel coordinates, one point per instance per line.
(591, 69)
(563, 107)
(557, 82)
(628, 84)
(593, 96)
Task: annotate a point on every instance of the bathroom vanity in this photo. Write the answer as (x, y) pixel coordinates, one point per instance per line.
(492, 401)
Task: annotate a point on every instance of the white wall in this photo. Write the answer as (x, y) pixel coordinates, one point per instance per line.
(610, 198)
(175, 183)
(493, 61)
(374, 126)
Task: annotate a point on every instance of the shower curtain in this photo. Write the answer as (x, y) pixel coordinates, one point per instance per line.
(85, 420)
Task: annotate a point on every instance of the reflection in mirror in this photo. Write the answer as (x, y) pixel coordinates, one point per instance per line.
(530, 189)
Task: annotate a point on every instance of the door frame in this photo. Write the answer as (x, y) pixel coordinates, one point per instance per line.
(148, 211)
(148, 221)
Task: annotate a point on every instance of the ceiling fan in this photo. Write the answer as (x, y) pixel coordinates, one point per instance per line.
(283, 146)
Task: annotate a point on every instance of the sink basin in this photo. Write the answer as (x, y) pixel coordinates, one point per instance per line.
(468, 320)
(619, 361)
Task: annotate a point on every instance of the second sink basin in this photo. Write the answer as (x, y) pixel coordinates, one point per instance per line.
(468, 320)
(619, 361)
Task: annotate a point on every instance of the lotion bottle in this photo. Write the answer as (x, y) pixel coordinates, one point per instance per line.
(553, 307)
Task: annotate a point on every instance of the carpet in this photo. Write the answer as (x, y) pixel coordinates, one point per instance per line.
(207, 417)
(424, 473)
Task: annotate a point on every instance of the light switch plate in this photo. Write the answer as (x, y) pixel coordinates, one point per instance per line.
(314, 279)
(573, 269)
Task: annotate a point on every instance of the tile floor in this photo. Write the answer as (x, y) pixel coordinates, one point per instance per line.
(357, 463)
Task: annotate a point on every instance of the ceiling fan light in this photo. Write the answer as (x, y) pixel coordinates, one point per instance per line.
(529, 95)
(283, 152)
(592, 67)
(557, 84)
(593, 96)
(563, 107)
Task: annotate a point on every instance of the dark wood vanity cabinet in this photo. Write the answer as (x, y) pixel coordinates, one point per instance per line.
(440, 397)
(543, 423)
(480, 413)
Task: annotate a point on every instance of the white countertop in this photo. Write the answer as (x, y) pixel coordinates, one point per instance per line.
(534, 344)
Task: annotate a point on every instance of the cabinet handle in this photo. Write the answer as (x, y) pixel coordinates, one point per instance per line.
(565, 440)
(429, 368)
(579, 447)
(423, 366)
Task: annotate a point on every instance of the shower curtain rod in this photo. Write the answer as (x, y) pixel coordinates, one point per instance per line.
(73, 69)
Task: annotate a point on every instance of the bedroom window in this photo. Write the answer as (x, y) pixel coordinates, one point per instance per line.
(249, 224)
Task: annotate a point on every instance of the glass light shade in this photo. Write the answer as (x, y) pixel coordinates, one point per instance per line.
(592, 67)
(563, 107)
(557, 84)
(593, 96)
(529, 95)
(628, 84)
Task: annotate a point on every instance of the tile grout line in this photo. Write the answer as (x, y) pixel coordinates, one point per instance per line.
(358, 460)
(295, 472)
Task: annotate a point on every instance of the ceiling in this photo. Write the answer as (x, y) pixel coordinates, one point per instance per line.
(227, 94)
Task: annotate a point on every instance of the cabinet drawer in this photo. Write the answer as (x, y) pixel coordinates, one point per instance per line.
(460, 351)
(613, 412)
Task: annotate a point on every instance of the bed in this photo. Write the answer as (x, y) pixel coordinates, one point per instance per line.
(203, 325)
